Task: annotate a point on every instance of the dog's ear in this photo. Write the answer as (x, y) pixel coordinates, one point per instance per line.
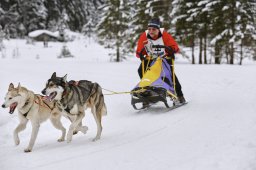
(11, 86)
(53, 75)
(65, 78)
(19, 86)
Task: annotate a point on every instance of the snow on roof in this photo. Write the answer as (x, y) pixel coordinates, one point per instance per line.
(36, 33)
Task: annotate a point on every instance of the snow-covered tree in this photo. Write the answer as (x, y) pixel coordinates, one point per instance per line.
(9, 16)
(233, 28)
(245, 29)
(76, 13)
(88, 29)
(184, 25)
(112, 30)
(160, 9)
(65, 53)
(53, 14)
(139, 18)
(79, 12)
(2, 35)
(32, 14)
(228, 24)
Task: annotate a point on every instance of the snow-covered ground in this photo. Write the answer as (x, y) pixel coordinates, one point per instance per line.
(215, 131)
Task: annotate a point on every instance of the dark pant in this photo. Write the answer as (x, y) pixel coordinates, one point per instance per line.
(177, 83)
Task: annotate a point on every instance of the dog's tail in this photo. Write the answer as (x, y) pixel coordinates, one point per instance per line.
(104, 110)
(102, 101)
(99, 100)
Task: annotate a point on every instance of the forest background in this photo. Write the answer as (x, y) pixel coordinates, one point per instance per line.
(222, 31)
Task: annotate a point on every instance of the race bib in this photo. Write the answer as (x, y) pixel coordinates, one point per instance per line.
(154, 52)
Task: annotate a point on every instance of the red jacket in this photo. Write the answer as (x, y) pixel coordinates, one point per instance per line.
(167, 39)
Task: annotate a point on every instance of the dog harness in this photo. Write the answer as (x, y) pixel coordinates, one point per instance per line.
(26, 114)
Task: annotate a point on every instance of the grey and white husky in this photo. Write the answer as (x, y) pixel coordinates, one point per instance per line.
(73, 98)
(34, 108)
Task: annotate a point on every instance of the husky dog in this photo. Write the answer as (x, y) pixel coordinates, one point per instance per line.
(74, 98)
(34, 108)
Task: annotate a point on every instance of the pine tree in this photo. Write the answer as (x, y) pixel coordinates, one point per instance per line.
(204, 22)
(245, 34)
(89, 28)
(9, 16)
(217, 37)
(2, 36)
(53, 14)
(143, 11)
(140, 17)
(75, 13)
(161, 9)
(236, 26)
(113, 27)
(79, 12)
(184, 24)
(32, 14)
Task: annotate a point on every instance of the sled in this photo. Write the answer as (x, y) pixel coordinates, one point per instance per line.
(157, 83)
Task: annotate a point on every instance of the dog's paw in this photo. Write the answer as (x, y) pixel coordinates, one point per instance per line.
(28, 150)
(69, 137)
(96, 138)
(17, 142)
(69, 140)
(83, 129)
(60, 140)
(75, 132)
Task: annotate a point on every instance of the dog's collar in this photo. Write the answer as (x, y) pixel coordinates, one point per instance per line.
(66, 87)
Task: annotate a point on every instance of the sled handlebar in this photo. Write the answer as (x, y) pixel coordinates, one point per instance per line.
(167, 48)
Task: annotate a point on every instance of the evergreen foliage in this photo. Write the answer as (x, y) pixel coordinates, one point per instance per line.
(112, 30)
(228, 25)
(222, 31)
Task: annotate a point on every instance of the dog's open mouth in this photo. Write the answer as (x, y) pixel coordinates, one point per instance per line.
(13, 107)
(52, 96)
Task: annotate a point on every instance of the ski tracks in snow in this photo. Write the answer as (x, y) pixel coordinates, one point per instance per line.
(121, 138)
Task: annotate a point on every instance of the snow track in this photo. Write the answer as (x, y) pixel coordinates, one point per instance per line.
(215, 131)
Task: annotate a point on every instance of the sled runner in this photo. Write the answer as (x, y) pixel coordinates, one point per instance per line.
(157, 83)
